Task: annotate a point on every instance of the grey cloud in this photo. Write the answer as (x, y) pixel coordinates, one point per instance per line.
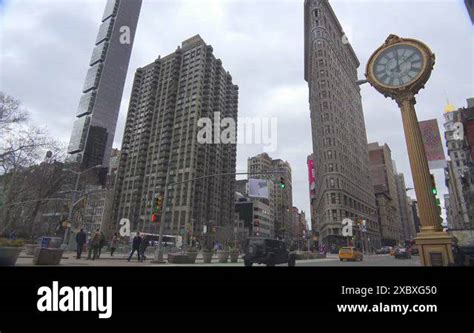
(43, 61)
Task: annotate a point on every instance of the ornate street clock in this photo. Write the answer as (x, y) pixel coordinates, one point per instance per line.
(400, 65)
(399, 69)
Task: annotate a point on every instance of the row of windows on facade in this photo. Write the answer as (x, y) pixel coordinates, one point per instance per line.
(337, 102)
(333, 142)
(323, 60)
(348, 162)
(342, 73)
(337, 215)
(332, 183)
(339, 53)
(339, 199)
(350, 133)
(341, 102)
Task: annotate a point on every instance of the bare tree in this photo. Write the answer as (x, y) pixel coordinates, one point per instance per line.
(28, 179)
(23, 148)
(11, 113)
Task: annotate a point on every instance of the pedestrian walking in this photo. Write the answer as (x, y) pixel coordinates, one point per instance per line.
(94, 245)
(101, 244)
(81, 238)
(143, 246)
(135, 246)
(114, 244)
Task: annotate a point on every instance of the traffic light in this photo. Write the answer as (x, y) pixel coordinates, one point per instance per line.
(282, 182)
(433, 185)
(434, 191)
(158, 204)
(158, 209)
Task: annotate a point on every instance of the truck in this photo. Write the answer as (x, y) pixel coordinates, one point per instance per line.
(465, 242)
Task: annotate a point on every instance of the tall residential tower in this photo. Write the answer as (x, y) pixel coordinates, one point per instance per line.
(160, 144)
(341, 161)
(94, 129)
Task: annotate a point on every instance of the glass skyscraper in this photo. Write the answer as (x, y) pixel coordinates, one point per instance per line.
(93, 132)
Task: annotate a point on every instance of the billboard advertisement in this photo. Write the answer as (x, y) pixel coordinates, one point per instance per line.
(433, 145)
(258, 188)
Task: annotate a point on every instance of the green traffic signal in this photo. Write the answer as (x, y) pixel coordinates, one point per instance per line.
(282, 182)
(434, 191)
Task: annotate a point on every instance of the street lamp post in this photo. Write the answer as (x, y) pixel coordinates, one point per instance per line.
(73, 200)
(71, 208)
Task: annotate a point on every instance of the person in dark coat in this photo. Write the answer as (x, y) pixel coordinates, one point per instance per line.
(143, 246)
(135, 246)
(102, 242)
(80, 241)
(113, 244)
(94, 245)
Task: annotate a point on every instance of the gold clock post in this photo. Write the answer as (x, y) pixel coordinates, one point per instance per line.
(434, 244)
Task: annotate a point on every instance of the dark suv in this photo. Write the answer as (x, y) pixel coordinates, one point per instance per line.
(267, 251)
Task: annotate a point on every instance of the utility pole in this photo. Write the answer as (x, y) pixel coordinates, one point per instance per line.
(71, 208)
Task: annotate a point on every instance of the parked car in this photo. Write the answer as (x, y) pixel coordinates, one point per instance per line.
(259, 250)
(383, 250)
(402, 253)
(350, 253)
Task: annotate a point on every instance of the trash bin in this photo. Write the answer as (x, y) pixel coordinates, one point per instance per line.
(44, 242)
(50, 242)
(49, 251)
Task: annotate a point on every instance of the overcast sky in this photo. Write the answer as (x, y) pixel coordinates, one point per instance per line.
(45, 46)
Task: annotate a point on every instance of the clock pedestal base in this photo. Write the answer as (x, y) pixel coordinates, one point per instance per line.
(435, 248)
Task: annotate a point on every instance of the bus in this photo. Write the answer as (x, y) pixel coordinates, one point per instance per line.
(168, 240)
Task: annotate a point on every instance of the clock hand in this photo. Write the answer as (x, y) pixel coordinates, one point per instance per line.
(396, 58)
(406, 58)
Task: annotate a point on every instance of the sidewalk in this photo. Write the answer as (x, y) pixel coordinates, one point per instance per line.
(69, 259)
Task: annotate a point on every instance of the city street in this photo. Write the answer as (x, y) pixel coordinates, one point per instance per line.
(332, 260)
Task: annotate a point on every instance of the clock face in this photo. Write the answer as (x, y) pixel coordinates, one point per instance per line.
(398, 65)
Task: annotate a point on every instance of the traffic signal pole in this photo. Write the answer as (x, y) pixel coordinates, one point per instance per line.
(159, 250)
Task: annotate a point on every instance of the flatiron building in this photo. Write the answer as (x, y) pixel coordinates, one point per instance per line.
(343, 188)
